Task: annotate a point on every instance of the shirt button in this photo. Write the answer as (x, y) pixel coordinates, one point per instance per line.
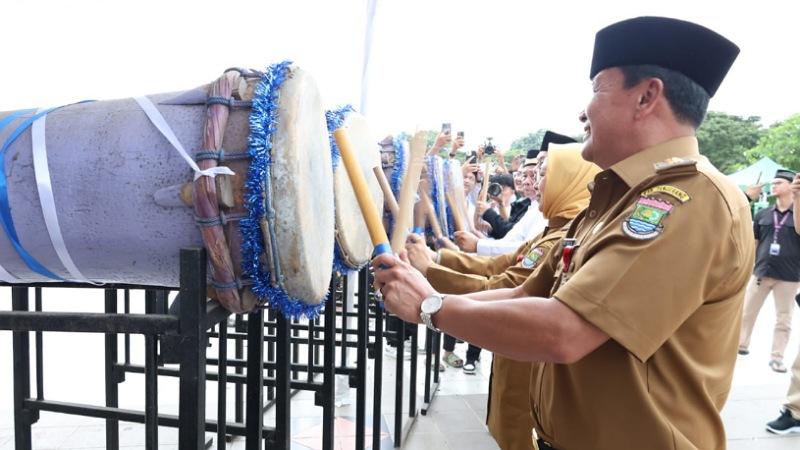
(592, 214)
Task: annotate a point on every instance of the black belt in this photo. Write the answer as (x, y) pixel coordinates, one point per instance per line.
(543, 445)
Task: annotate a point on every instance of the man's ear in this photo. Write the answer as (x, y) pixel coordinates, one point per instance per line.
(651, 92)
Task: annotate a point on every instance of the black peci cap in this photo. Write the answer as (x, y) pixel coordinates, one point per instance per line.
(693, 50)
(785, 174)
(549, 137)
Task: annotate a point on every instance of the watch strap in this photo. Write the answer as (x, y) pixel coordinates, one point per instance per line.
(428, 320)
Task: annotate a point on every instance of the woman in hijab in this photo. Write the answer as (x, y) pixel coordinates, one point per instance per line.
(562, 183)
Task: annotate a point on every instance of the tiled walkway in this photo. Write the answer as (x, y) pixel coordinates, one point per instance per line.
(455, 419)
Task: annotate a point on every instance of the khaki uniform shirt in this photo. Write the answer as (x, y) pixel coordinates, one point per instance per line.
(463, 273)
(664, 253)
(508, 415)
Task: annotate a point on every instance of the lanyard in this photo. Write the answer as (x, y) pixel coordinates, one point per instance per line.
(778, 225)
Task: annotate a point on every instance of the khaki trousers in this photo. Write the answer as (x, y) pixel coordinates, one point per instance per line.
(783, 292)
(793, 396)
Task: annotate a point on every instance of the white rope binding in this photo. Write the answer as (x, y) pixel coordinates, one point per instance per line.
(162, 125)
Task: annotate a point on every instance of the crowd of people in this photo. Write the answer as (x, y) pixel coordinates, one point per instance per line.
(615, 280)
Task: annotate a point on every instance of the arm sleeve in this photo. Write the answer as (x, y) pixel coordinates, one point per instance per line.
(492, 247)
(500, 226)
(463, 274)
(478, 265)
(756, 226)
(448, 281)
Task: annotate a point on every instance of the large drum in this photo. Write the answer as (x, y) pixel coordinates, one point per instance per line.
(100, 192)
(394, 161)
(353, 244)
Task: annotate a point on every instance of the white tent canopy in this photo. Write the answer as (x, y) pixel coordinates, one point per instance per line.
(762, 171)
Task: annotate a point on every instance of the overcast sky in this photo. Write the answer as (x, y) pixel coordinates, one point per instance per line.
(501, 68)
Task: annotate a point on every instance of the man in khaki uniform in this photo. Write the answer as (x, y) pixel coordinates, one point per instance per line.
(562, 193)
(639, 337)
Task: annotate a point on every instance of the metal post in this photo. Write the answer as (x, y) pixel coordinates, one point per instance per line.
(398, 385)
(192, 318)
(222, 384)
(254, 420)
(283, 403)
(112, 383)
(238, 354)
(329, 371)
(39, 337)
(151, 379)
(361, 357)
(22, 375)
(377, 346)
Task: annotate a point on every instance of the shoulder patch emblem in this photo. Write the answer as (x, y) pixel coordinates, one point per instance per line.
(645, 220)
(530, 260)
(672, 191)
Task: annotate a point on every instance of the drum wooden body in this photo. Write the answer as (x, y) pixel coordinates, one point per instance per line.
(108, 166)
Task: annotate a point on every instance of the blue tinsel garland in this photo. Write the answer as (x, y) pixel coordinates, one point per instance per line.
(430, 162)
(448, 166)
(263, 123)
(398, 170)
(335, 120)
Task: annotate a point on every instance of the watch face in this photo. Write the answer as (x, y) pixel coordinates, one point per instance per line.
(431, 304)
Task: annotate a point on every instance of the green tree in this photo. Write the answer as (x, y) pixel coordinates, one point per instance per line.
(432, 138)
(781, 143)
(528, 142)
(724, 139)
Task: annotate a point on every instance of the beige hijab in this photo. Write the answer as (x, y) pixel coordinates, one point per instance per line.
(568, 175)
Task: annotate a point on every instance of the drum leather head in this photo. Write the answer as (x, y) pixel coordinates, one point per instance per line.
(351, 229)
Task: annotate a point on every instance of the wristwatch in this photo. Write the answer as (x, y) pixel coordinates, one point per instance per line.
(431, 306)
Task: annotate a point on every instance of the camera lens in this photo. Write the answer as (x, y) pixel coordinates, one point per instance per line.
(494, 189)
(489, 147)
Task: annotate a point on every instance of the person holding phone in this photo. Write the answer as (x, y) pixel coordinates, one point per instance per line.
(753, 192)
(457, 143)
(529, 225)
(442, 139)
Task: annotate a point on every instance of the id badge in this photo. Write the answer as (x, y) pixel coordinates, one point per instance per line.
(775, 249)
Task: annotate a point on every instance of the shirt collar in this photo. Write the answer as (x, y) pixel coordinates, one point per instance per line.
(788, 210)
(634, 169)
